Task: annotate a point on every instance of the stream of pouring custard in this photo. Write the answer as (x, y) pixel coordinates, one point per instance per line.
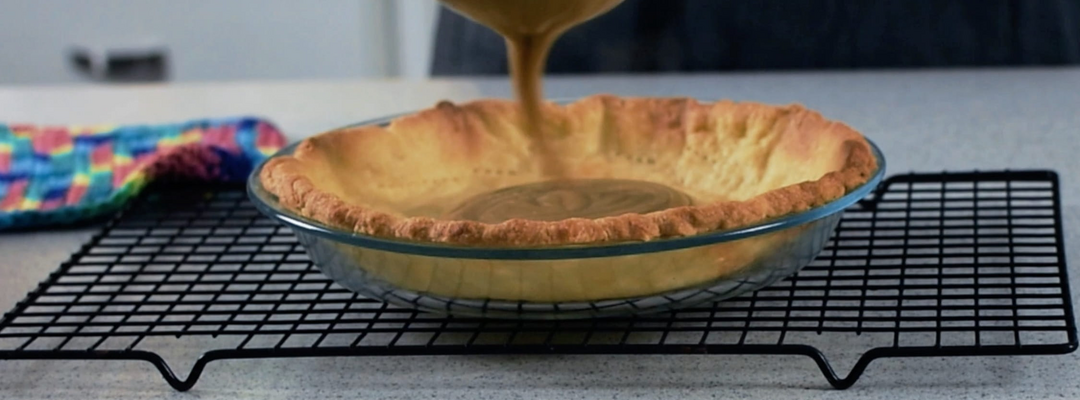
(530, 28)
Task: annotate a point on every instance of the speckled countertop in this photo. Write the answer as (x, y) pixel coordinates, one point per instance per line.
(925, 121)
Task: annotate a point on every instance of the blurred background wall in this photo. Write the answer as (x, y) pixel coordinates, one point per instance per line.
(73, 41)
(117, 41)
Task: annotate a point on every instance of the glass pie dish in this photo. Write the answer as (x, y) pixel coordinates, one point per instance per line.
(567, 281)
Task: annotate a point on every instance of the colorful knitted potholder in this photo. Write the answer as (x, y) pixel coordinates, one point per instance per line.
(59, 175)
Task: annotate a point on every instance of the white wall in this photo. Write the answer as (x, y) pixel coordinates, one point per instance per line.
(215, 40)
(415, 20)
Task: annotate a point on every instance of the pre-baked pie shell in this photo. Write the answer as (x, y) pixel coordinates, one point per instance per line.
(743, 163)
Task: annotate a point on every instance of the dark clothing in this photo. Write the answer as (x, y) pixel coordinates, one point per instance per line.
(721, 35)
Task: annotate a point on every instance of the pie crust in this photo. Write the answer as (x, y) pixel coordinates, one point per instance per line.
(743, 163)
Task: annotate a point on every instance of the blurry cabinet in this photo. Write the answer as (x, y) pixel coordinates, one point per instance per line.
(65, 41)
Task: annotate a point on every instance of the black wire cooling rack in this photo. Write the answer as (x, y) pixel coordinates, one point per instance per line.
(955, 264)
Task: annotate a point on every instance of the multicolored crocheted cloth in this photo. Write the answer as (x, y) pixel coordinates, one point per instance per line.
(60, 175)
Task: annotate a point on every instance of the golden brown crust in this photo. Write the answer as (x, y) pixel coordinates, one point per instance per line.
(666, 134)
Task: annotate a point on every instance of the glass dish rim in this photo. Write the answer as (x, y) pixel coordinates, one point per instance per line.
(269, 206)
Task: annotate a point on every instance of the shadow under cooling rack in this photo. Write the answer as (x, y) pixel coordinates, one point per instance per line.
(933, 265)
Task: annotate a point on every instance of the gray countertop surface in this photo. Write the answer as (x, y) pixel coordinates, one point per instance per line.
(923, 120)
